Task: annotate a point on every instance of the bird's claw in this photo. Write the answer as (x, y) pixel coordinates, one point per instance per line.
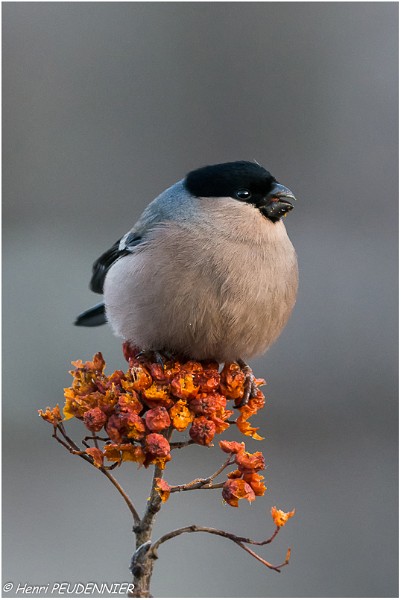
(152, 356)
(250, 388)
(133, 352)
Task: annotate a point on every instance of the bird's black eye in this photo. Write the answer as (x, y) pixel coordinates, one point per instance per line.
(243, 194)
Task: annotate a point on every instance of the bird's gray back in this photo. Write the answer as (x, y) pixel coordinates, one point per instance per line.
(174, 204)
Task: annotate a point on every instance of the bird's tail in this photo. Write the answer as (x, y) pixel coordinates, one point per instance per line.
(92, 317)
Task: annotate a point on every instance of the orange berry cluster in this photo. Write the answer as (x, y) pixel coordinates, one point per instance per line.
(245, 482)
(140, 408)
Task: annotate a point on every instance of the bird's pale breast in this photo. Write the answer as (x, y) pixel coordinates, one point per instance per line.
(222, 286)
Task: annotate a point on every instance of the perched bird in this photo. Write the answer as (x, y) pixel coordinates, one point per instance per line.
(208, 271)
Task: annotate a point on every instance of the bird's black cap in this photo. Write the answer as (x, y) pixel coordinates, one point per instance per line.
(228, 179)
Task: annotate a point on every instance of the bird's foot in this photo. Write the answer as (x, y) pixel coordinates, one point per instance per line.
(250, 388)
(152, 356)
(130, 352)
(133, 352)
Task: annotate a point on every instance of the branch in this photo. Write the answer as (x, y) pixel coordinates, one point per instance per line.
(74, 449)
(175, 445)
(69, 445)
(123, 494)
(240, 541)
(63, 432)
(96, 438)
(196, 485)
(204, 483)
(170, 432)
(152, 507)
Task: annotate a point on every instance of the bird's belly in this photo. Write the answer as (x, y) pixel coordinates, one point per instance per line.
(205, 304)
(257, 303)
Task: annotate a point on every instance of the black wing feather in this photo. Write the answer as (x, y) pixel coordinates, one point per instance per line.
(122, 247)
(92, 317)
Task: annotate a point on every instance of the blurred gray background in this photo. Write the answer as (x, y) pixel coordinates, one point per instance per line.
(107, 104)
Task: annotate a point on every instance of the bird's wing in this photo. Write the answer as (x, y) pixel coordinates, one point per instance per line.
(121, 248)
(92, 317)
(164, 208)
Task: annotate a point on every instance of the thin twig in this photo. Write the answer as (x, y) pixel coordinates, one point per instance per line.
(74, 449)
(228, 462)
(176, 445)
(70, 448)
(206, 486)
(276, 568)
(62, 430)
(203, 483)
(127, 499)
(96, 437)
(111, 467)
(240, 541)
(170, 432)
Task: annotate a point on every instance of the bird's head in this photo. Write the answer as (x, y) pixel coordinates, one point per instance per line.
(244, 181)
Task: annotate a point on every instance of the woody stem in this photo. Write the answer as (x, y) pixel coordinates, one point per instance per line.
(240, 541)
(205, 483)
(142, 561)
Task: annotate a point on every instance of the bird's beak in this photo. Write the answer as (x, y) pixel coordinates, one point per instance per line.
(278, 202)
